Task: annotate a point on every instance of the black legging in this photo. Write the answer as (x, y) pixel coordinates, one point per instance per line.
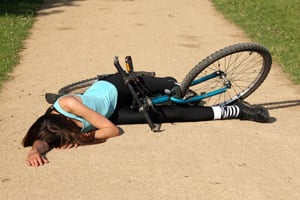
(165, 113)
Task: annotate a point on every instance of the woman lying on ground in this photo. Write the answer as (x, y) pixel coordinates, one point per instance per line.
(92, 117)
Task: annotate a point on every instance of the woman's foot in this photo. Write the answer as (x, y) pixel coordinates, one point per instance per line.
(255, 113)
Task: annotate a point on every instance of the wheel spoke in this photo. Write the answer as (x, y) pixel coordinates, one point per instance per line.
(245, 66)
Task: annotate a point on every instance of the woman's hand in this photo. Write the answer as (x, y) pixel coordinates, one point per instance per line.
(35, 156)
(36, 159)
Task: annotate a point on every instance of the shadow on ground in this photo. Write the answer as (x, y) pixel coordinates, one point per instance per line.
(31, 7)
(281, 104)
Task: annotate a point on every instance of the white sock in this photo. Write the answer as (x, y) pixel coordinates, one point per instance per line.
(217, 112)
(226, 112)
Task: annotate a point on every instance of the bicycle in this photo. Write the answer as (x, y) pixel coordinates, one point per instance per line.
(222, 78)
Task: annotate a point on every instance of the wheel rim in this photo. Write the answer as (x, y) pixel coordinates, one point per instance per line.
(243, 69)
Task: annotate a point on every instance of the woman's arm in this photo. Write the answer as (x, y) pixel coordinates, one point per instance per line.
(35, 156)
(105, 128)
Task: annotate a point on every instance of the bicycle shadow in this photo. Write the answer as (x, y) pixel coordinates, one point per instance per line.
(279, 105)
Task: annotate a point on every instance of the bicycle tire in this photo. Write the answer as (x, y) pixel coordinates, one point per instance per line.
(231, 59)
(77, 87)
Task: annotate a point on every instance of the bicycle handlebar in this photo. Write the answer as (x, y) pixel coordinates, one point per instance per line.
(141, 107)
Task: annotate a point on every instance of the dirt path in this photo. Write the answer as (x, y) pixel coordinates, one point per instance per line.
(74, 40)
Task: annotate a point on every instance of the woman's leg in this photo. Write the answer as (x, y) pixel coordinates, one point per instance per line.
(158, 85)
(178, 113)
(126, 115)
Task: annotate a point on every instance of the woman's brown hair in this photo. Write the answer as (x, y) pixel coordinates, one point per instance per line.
(56, 130)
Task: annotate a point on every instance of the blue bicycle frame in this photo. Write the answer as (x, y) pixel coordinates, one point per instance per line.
(143, 106)
(166, 98)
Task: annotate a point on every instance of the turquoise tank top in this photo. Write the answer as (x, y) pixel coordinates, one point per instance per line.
(101, 97)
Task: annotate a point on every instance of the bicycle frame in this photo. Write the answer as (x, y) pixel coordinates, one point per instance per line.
(144, 104)
(172, 98)
(167, 98)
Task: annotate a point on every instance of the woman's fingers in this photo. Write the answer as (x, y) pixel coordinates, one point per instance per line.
(37, 161)
(34, 162)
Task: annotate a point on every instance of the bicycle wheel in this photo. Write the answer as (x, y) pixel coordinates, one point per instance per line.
(77, 87)
(245, 67)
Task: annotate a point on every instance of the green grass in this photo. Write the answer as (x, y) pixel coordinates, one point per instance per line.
(16, 19)
(273, 23)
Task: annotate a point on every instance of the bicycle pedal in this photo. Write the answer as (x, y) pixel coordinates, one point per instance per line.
(129, 65)
(157, 128)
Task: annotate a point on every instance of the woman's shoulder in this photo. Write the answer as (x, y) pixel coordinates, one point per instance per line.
(68, 102)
